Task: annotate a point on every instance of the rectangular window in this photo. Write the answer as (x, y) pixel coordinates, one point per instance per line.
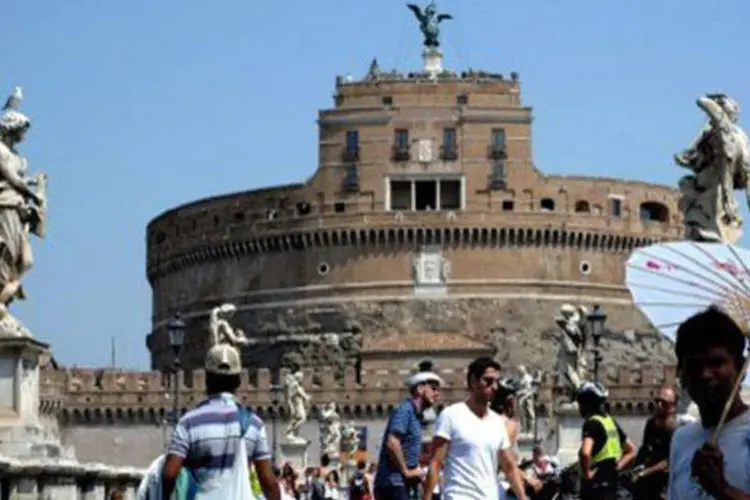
(497, 147)
(615, 206)
(450, 195)
(426, 194)
(401, 138)
(351, 153)
(401, 145)
(450, 144)
(352, 140)
(401, 195)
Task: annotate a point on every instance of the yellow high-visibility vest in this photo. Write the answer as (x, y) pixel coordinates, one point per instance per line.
(612, 448)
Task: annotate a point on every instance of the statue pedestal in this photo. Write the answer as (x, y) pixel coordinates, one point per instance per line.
(433, 61)
(294, 452)
(22, 434)
(525, 445)
(569, 424)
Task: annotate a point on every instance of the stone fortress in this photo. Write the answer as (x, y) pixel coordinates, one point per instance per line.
(426, 232)
(426, 225)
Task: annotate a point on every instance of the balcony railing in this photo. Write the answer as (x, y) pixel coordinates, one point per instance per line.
(498, 179)
(351, 181)
(496, 152)
(351, 154)
(401, 153)
(449, 152)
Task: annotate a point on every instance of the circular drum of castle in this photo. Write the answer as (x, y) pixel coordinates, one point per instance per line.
(426, 232)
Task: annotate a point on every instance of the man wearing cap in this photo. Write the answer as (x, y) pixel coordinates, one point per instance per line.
(398, 464)
(207, 438)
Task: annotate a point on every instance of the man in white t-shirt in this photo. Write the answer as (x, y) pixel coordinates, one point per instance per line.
(471, 443)
(710, 357)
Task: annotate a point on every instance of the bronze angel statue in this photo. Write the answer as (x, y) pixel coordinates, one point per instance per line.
(429, 23)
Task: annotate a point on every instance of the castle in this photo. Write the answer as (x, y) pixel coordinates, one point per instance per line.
(426, 232)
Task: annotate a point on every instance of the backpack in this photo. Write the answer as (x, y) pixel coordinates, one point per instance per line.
(358, 486)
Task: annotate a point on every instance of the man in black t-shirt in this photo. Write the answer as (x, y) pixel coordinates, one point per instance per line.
(605, 448)
(651, 482)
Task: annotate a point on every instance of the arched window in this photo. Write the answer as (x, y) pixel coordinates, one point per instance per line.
(653, 211)
(547, 204)
(582, 207)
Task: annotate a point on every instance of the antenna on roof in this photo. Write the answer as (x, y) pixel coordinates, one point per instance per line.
(113, 353)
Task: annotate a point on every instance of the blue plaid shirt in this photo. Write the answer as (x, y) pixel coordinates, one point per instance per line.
(405, 424)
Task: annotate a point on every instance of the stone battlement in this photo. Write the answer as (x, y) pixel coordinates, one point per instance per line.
(108, 395)
(377, 78)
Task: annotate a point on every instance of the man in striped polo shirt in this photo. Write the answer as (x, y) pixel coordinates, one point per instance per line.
(206, 438)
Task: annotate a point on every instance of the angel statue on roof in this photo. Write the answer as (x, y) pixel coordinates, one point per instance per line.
(429, 22)
(23, 206)
(719, 160)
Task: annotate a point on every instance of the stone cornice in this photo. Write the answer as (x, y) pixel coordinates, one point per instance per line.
(567, 235)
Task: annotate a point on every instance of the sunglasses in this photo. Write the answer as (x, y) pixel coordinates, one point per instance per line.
(491, 381)
(661, 401)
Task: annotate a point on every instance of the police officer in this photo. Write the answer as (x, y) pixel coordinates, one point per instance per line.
(605, 448)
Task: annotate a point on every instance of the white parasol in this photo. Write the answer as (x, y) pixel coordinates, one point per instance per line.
(671, 282)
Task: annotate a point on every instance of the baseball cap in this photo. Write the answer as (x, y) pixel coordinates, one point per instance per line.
(223, 359)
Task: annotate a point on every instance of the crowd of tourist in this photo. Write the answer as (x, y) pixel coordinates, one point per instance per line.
(219, 444)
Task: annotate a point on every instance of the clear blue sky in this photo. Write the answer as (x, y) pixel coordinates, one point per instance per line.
(138, 106)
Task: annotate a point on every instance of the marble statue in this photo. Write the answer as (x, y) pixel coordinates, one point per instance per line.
(572, 354)
(330, 431)
(23, 200)
(299, 402)
(527, 398)
(429, 23)
(222, 330)
(350, 438)
(719, 160)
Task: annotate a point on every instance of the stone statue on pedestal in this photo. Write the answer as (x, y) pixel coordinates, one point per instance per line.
(299, 402)
(350, 439)
(719, 160)
(526, 397)
(330, 431)
(429, 23)
(23, 207)
(572, 354)
(221, 329)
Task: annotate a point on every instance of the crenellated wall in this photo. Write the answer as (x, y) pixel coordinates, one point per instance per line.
(122, 417)
(115, 396)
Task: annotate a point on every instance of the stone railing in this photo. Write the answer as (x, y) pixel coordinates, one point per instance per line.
(54, 479)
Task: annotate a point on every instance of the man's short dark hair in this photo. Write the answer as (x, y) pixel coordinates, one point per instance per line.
(708, 329)
(479, 366)
(325, 460)
(216, 383)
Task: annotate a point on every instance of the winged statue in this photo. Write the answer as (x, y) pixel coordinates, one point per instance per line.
(429, 22)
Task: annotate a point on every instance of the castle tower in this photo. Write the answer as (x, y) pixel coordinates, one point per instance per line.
(425, 231)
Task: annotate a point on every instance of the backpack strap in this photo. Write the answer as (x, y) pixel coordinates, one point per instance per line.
(245, 415)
